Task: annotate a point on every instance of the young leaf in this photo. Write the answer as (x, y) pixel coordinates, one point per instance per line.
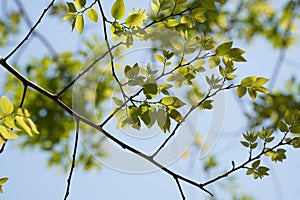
(135, 19)
(7, 134)
(248, 81)
(6, 106)
(79, 24)
(117, 101)
(223, 49)
(283, 127)
(71, 7)
(159, 58)
(3, 180)
(154, 7)
(295, 128)
(241, 91)
(92, 15)
(118, 9)
(23, 125)
(80, 3)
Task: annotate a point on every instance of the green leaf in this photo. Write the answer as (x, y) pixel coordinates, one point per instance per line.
(172, 22)
(117, 101)
(174, 114)
(118, 9)
(208, 4)
(223, 49)
(262, 89)
(159, 58)
(248, 81)
(10, 122)
(7, 134)
(80, 3)
(245, 144)
(249, 171)
(172, 102)
(241, 91)
(283, 127)
(255, 164)
(135, 19)
(22, 125)
(68, 16)
(3, 180)
(214, 61)
(154, 7)
(261, 81)
(6, 106)
(92, 15)
(295, 128)
(71, 7)
(177, 45)
(150, 90)
(79, 24)
(288, 117)
(131, 73)
(253, 94)
(161, 118)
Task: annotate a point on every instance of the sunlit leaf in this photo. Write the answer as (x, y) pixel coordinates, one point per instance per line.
(92, 15)
(22, 125)
(223, 49)
(241, 91)
(6, 106)
(79, 24)
(135, 19)
(80, 3)
(7, 134)
(118, 9)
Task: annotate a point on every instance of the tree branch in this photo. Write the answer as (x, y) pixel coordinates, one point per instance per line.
(55, 99)
(180, 188)
(73, 160)
(31, 30)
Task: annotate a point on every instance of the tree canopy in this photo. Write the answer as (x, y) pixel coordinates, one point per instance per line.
(133, 83)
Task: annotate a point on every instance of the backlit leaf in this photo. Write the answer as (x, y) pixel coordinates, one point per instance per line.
(6, 106)
(92, 15)
(71, 7)
(80, 3)
(22, 125)
(135, 19)
(118, 9)
(223, 49)
(7, 134)
(241, 91)
(79, 24)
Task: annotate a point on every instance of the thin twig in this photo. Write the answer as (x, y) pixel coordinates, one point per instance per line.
(251, 159)
(39, 36)
(73, 160)
(23, 96)
(31, 31)
(2, 147)
(85, 71)
(180, 188)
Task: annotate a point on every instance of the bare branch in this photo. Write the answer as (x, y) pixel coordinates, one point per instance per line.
(31, 31)
(73, 160)
(180, 188)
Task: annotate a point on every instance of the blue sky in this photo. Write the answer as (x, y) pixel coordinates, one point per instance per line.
(29, 178)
